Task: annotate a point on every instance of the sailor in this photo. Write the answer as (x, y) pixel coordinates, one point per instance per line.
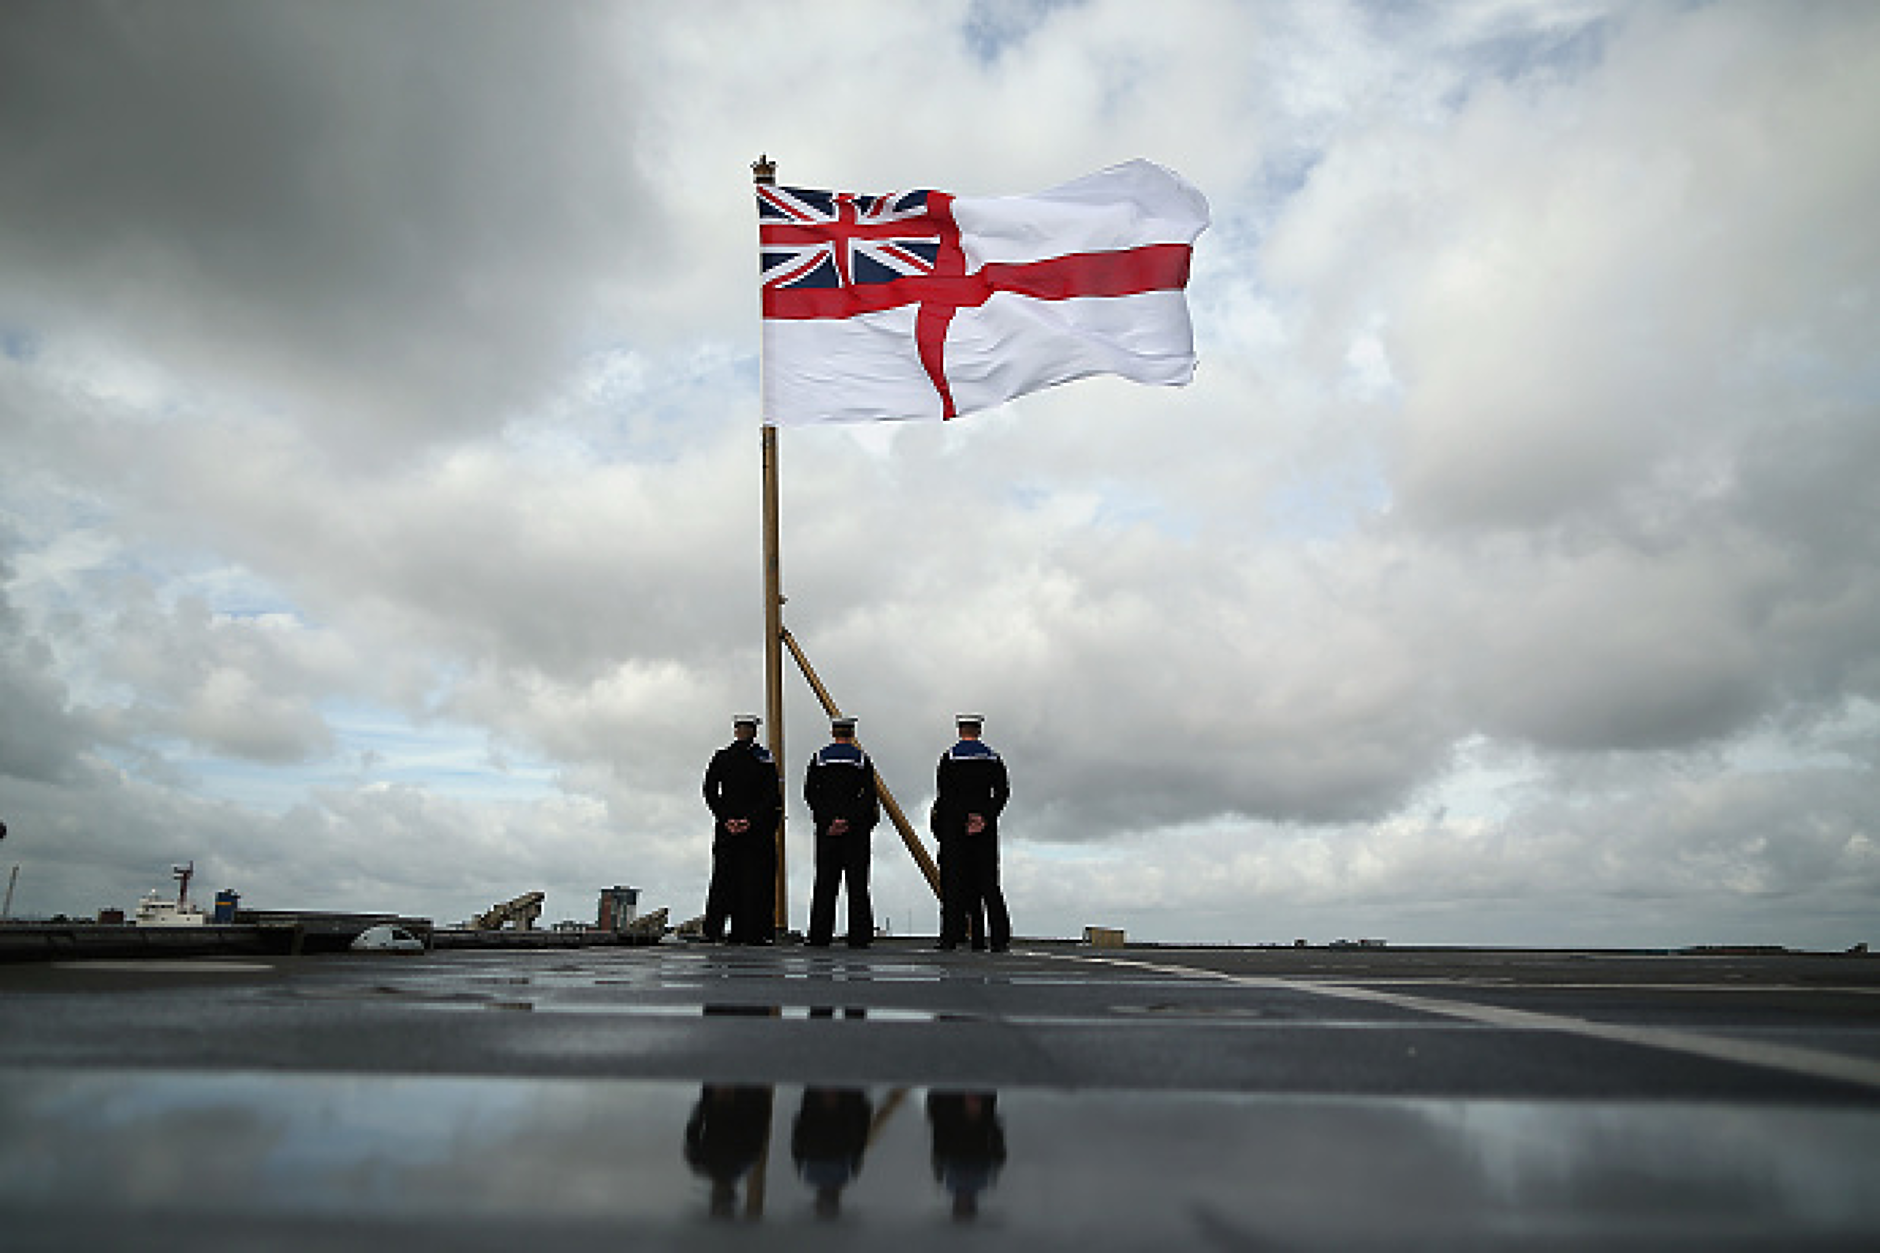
(744, 793)
(839, 786)
(970, 792)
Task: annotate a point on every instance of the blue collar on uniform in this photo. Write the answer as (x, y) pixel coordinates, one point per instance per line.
(966, 749)
(842, 754)
(757, 750)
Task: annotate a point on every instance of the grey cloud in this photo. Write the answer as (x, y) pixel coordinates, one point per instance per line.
(244, 688)
(41, 737)
(391, 218)
(1676, 826)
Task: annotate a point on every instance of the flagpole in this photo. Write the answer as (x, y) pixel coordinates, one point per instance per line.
(773, 658)
(764, 171)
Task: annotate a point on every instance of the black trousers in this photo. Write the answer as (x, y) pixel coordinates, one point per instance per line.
(969, 883)
(720, 894)
(839, 859)
(754, 921)
(743, 888)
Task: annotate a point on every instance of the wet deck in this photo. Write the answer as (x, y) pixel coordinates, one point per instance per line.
(1053, 1097)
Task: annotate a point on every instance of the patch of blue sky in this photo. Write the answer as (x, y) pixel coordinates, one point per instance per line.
(1556, 43)
(107, 382)
(51, 564)
(234, 594)
(38, 507)
(994, 27)
(1485, 781)
(69, 545)
(1079, 854)
(1242, 218)
(1797, 356)
(1029, 497)
(372, 747)
(622, 404)
(1845, 741)
(229, 593)
(1108, 504)
(713, 381)
(1329, 503)
(1126, 510)
(254, 786)
(377, 745)
(1568, 45)
(18, 344)
(1367, 374)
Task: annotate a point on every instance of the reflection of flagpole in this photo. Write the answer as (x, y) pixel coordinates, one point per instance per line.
(764, 171)
(885, 1112)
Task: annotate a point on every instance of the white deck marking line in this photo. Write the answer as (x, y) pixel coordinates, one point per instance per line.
(1810, 1063)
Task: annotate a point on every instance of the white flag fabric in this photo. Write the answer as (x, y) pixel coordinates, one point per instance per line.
(921, 305)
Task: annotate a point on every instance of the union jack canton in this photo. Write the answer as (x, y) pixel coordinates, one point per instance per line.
(827, 239)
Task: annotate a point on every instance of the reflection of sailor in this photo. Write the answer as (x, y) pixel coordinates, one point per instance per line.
(968, 1145)
(725, 1139)
(828, 1141)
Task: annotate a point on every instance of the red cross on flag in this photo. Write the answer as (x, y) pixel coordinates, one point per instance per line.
(923, 305)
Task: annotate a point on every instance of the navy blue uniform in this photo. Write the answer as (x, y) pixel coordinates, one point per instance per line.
(742, 782)
(971, 779)
(840, 783)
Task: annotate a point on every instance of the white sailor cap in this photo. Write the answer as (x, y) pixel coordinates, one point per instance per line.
(842, 722)
(969, 720)
(745, 720)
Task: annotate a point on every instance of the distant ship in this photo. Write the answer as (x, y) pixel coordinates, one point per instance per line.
(154, 911)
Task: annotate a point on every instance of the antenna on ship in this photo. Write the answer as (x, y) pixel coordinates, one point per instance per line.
(183, 874)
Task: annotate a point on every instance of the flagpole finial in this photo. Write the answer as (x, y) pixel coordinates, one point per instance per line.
(764, 170)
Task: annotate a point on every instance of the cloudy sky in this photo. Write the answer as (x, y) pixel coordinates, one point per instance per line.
(379, 462)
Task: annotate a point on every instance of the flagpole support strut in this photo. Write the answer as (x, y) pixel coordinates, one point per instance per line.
(915, 848)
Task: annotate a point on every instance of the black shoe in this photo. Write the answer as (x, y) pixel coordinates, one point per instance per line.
(1001, 948)
(815, 944)
(858, 943)
(946, 946)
